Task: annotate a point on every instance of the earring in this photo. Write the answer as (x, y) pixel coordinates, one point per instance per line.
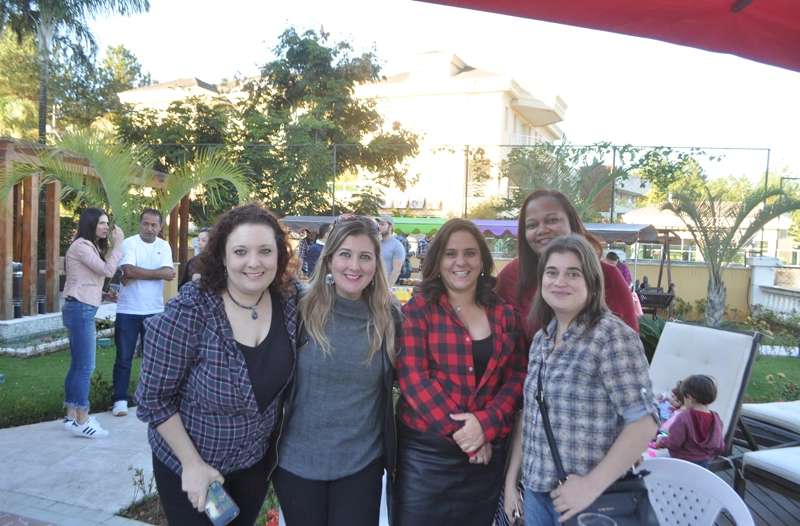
(372, 283)
(329, 279)
(225, 272)
(481, 270)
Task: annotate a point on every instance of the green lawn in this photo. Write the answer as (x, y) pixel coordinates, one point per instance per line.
(33, 390)
(774, 378)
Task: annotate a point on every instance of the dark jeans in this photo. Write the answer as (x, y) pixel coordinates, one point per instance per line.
(247, 487)
(354, 500)
(127, 328)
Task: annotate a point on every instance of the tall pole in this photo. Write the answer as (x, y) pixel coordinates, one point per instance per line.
(766, 187)
(466, 180)
(613, 185)
(333, 186)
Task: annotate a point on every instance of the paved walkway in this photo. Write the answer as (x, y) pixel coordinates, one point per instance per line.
(48, 476)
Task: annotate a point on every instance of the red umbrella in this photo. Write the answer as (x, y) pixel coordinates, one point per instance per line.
(766, 31)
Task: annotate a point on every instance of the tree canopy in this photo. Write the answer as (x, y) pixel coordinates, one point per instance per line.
(297, 127)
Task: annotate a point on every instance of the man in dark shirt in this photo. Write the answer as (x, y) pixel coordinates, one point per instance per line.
(314, 251)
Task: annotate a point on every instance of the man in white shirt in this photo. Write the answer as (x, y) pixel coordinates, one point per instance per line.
(146, 263)
(392, 251)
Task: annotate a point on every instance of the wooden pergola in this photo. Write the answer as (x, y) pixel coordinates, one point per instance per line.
(19, 223)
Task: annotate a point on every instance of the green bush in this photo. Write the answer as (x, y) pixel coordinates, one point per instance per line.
(650, 329)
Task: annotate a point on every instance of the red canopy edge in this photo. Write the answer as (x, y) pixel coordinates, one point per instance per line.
(766, 31)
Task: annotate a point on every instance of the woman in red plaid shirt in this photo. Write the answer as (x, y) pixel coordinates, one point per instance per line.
(461, 372)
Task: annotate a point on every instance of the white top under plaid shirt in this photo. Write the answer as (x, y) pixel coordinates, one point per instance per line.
(594, 385)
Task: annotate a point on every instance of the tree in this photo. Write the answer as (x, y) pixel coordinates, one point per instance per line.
(62, 22)
(671, 171)
(721, 228)
(577, 172)
(122, 174)
(303, 111)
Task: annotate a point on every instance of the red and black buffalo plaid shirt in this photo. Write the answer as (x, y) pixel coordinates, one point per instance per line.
(436, 371)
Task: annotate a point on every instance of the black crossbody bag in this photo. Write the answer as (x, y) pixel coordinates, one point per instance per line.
(626, 500)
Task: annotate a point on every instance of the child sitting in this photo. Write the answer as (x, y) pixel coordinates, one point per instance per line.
(670, 403)
(696, 434)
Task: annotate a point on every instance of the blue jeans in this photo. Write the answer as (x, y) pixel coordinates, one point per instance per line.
(78, 317)
(127, 329)
(539, 510)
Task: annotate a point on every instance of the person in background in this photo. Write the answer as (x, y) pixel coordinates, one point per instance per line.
(86, 267)
(147, 263)
(216, 365)
(597, 387)
(392, 251)
(422, 251)
(302, 249)
(545, 215)
(339, 433)
(696, 434)
(191, 274)
(613, 259)
(406, 270)
(461, 373)
(316, 249)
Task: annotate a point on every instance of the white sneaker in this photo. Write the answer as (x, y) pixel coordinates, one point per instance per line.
(120, 408)
(89, 429)
(67, 423)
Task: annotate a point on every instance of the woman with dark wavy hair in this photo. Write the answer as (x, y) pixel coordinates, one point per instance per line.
(460, 370)
(216, 364)
(545, 215)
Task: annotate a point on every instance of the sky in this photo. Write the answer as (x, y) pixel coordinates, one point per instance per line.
(621, 89)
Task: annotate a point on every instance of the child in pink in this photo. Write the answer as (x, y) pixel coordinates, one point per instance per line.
(695, 434)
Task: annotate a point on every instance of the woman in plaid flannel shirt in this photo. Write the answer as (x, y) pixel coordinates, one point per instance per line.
(460, 370)
(597, 386)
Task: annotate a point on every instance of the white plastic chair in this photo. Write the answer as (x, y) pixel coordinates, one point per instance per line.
(686, 494)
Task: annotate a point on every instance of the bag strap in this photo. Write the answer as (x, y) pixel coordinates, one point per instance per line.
(548, 431)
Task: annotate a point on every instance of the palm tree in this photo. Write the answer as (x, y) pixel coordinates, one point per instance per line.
(123, 173)
(562, 167)
(720, 229)
(64, 22)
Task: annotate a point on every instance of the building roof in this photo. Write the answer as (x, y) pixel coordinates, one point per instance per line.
(179, 83)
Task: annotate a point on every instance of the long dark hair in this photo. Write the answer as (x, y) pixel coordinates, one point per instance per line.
(211, 261)
(595, 307)
(87, 229)
(432, 285)
(528, 259)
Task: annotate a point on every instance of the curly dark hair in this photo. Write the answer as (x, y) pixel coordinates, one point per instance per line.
(432, 285)
(211, 264)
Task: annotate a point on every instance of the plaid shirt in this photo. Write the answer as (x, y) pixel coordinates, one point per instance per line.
(422, 248)
(302, 251)
(436, 372)
(193, 367)
(594, 386)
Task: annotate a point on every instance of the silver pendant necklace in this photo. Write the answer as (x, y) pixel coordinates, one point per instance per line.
(253, 308)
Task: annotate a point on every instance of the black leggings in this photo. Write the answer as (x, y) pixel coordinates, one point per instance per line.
(354, 500)
(247, 487)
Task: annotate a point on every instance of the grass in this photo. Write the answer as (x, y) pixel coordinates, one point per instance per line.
(770, 380)
(33, 390)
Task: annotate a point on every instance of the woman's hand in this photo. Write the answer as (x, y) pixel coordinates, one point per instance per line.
(196, 479)
(483, 456)
(470, 437)
(117, 236)
(574, 496)
(510, 500)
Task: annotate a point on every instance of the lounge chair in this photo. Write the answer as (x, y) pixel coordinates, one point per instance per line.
(777, 469)
(683, 493)
(774, 424)
(725, 355)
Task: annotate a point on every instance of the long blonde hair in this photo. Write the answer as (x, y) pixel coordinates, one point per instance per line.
(317, 303)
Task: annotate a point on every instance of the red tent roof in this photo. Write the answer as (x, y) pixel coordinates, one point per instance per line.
(766, 31)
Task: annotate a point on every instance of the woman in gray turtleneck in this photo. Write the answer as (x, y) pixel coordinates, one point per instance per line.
(339, 433)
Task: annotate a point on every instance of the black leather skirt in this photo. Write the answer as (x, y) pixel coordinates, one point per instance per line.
(436, 485)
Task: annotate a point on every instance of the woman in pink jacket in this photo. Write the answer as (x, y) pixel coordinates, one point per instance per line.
(87, 268)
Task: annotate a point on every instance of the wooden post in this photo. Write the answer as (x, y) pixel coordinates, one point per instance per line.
(173, 232)
(30, 246)
(183, 253)
(52, 246)
(6, 242)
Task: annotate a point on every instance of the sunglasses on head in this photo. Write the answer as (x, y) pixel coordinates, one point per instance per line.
(369, 221)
